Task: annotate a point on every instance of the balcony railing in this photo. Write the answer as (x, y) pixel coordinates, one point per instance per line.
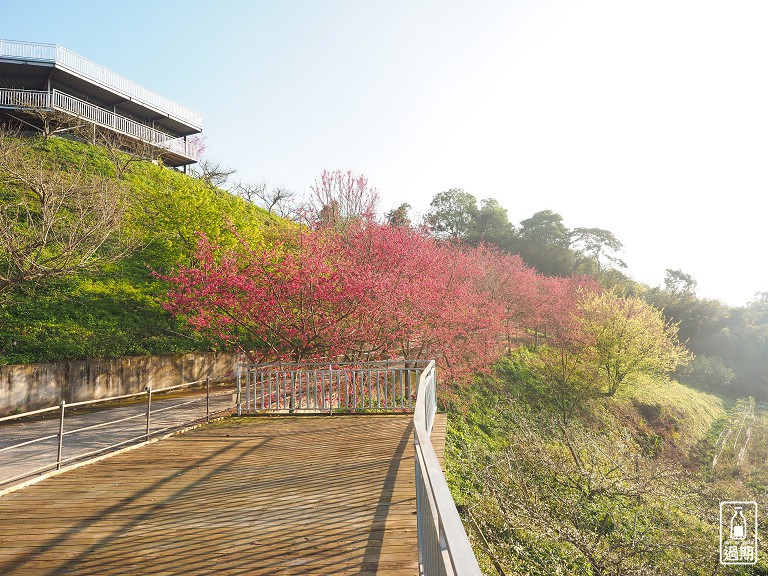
(55, 100)
(66, 59)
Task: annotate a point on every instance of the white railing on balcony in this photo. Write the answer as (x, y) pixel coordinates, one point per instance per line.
(67, 59)
(55, 100)
(24, 99)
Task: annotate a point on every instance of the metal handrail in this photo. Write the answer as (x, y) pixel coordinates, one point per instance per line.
(392, 362)
(444, 548)
(96, 73)
(146, 433)
(388, 385)
(57, 100)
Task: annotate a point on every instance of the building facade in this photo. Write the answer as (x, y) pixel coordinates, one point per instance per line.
(36, 79)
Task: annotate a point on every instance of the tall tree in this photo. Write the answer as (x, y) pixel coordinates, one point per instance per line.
(492, 224)
(452, 214)
(679, 283)
(543, 242)
(599, 248)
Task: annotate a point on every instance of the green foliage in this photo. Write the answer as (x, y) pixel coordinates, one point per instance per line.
(544, 242)
(116, 313)
(169, 211)
(629, 337)
(116, 309)
(452, 214)
(492, 225)
(732, 342)
(599, 248)
(609, 492)
(66, 154)
(399, 216)
(706, 372)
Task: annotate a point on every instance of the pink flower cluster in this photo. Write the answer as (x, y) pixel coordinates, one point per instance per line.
(372, 291)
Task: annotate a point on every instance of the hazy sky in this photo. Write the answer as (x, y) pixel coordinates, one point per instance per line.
(649, 119)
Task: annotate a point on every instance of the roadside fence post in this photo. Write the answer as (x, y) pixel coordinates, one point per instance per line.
(149, 408)
(207, 398)
(61, 436)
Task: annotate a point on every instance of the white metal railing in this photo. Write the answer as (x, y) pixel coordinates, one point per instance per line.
(99, 74)
(388, 385)
(103, 431)
(34, 99)
(27, 50)
(24, 99)
(444, 549)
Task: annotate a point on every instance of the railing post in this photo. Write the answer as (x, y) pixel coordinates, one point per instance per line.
(61, 436)
(248, 391)
(292, 399)
(239, 384)
(207, 398)
(149, 408)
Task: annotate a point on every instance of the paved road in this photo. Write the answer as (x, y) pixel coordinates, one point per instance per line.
(108, 426)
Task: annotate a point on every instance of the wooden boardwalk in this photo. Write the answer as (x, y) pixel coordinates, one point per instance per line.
(284, 495)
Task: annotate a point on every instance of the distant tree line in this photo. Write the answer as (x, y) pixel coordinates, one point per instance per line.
(542, 240)
(730, 343)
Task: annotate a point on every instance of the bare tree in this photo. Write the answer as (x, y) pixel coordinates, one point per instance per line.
(601, 499)
(212, 173)
(54, 222)
(254, 193)
(46, 120)
(123, 150)
(277, 200)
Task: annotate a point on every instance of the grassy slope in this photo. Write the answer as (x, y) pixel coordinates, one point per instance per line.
(672, 425)
(117, 310)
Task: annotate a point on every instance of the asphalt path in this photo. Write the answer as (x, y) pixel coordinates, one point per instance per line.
(30, 447)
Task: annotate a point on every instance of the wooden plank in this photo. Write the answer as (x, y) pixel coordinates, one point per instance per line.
(308, 495)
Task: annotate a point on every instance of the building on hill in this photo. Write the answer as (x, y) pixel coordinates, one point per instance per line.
(40, 81)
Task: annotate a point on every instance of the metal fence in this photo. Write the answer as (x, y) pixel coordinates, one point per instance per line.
(82, 66)
(444, 548)
(388, 386)
(34, 442)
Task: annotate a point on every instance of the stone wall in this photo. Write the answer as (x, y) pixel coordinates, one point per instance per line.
(27, 387)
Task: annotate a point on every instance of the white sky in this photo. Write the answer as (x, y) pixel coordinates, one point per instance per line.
(649, 119)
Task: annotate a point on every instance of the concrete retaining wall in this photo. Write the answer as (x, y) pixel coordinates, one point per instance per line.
(27, 387)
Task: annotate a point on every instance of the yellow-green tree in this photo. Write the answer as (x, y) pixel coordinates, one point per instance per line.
(629, 337)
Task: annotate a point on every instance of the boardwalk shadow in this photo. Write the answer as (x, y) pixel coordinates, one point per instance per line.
(283, 496)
